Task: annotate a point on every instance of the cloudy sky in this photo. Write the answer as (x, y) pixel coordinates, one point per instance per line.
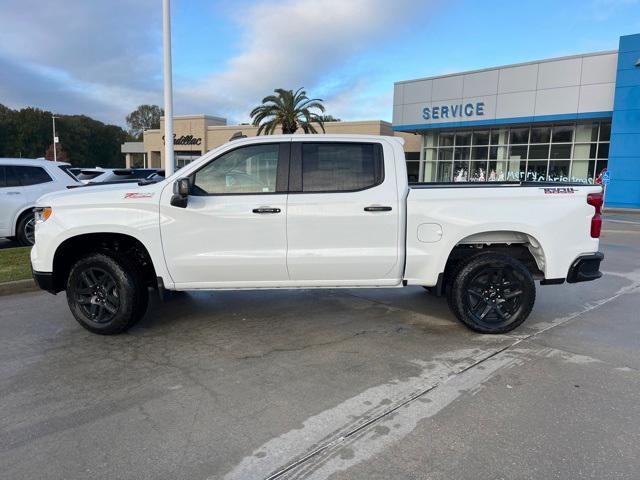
(103, 57)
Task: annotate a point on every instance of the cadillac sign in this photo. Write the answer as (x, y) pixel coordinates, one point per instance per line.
(185, 140)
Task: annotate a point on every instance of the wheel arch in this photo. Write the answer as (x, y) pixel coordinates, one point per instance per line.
(72, 248)
(521, 245)
(18, 217)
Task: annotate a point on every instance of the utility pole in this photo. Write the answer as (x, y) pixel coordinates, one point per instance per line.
(168, 89)
(55, 139)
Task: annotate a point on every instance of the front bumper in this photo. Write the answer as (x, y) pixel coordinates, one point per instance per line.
(44, 280)
(585, 268)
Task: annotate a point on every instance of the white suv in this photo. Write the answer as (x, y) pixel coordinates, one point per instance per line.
(22, 182)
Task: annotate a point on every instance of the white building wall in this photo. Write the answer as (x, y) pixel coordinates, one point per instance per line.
(565, 86)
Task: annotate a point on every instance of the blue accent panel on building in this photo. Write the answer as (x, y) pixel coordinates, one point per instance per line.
(629, 171)
(625, 145)
(631, 198)
(626, 120)
(505, 121)
(628, 59)
(629, 43)
(629, 97)
(624, 153)
(628, 78)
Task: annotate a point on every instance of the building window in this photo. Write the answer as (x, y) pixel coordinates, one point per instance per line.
(185, 157)
(567, 152)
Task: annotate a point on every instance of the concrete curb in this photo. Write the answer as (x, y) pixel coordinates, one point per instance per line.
(19, 286)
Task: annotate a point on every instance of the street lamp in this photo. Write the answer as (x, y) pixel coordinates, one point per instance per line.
(55, 139)
(168, 89)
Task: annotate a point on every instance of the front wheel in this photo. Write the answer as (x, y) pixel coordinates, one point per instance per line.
(106, 294)
(492, 293)
(25, 230)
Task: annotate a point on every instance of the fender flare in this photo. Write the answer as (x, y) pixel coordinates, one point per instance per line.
(533, 244)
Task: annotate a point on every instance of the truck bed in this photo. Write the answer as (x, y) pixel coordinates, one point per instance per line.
(530, 184)
(552, 220)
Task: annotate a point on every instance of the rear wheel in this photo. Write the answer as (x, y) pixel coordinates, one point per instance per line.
(106, 294)
(492, 293)
(25, 229)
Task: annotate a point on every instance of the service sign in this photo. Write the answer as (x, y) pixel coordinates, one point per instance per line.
(453, 111)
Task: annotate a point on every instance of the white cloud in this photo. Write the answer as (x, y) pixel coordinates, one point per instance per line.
(298, 43)
(102, 58)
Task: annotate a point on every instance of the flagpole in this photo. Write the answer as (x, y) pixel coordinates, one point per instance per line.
(55, 156)
(168, 90)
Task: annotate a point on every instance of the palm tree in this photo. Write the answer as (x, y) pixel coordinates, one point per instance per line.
(288, 110)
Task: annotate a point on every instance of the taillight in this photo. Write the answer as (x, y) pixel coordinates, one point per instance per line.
(595, 200)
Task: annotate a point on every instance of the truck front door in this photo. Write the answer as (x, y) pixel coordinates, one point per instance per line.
(343, 219)
(232, 232)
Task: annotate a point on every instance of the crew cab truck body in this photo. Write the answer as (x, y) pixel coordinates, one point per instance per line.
(314, 211)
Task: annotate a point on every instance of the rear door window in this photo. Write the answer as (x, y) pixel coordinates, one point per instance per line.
(31, 175)
(341, 167)
(8, 176)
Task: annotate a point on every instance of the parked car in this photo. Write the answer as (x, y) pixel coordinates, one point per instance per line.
(157, 176)
(314, 211)
(123, 175)
(86, 175)
(75, 171)
(22, 181)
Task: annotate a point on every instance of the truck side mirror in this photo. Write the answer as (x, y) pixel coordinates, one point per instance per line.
(181, 189)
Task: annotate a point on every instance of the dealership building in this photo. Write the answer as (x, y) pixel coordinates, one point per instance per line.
(561, 119)
(567, 119)
(197, 134)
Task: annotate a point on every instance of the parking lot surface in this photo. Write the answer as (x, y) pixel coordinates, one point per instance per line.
(340, 384)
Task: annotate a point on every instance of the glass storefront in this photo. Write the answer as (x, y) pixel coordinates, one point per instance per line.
(563, 152)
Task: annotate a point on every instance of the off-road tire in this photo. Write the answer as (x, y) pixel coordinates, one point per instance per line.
(491, 293)
(129, 291)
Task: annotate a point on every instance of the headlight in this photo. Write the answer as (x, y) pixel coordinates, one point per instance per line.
(42, 213)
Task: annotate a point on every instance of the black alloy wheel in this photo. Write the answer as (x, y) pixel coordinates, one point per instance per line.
(97, 295)
(492, 293)
(106, 292)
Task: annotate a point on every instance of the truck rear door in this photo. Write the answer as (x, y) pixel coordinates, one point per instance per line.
(342, 214)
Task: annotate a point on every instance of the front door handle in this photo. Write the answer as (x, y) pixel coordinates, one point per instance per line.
(377, 208)
(266, 210)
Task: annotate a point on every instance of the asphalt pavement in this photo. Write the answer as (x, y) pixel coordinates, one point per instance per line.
(340, 384)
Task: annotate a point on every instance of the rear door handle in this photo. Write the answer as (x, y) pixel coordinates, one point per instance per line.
(13, 193)
(266, 210)
(377, 208)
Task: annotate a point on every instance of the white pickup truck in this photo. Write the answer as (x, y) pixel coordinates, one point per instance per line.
(314, 211)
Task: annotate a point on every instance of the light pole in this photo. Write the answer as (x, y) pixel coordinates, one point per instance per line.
(55, 139)
(168, 89)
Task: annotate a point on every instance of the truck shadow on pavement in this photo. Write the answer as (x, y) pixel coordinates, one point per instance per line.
(269, 309)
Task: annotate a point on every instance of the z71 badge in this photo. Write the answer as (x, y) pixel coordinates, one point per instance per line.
(138, 195)
(554, 190)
